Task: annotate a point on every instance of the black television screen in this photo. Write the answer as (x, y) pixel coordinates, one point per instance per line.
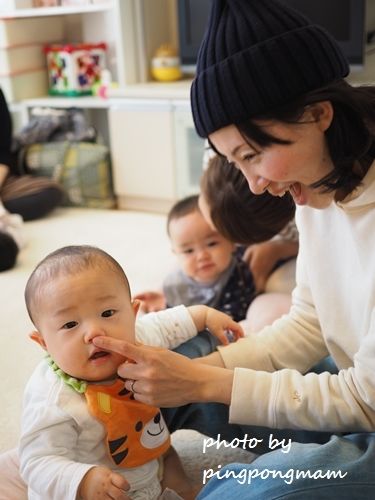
(192, 20)
(344, 19)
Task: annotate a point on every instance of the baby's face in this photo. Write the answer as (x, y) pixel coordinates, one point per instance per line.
(202, 252)
(76, 308)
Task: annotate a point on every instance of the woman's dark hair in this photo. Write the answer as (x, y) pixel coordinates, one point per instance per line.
(238, 214)
(350, 137)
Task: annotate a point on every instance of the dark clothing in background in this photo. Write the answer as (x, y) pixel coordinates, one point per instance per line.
(39, 200)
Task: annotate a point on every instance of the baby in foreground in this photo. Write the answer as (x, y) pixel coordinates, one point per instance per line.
(84, 434)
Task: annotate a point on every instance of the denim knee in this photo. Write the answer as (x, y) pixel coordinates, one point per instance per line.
(202, 344)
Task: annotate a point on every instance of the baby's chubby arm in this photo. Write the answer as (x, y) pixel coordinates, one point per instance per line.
(217, 322)
(176, 325)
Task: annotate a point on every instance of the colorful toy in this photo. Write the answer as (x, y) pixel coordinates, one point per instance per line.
(165, 66)
(101, 88)
(74, 69)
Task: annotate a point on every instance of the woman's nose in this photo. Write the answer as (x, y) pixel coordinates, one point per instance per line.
(257, 184)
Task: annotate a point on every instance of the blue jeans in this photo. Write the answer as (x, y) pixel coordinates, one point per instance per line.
(274, 475)
(349, 459)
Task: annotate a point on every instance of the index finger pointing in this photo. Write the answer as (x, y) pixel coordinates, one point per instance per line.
(120, 346)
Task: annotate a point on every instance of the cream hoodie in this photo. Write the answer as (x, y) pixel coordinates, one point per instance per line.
(333, 312)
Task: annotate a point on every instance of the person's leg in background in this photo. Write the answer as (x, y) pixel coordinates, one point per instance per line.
(276, 299)
(35, 205)
(8, 251)
(265, 309)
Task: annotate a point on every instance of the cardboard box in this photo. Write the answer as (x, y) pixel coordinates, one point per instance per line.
(17, 31)
(9, 5)
(24, 85)
(21, 58)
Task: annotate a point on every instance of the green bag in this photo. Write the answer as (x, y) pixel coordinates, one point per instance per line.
(82, 169)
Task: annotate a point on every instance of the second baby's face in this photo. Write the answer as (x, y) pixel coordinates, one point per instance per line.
(201, 251)
(75, 309)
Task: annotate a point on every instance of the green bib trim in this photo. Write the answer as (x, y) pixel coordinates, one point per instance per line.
(79, 386)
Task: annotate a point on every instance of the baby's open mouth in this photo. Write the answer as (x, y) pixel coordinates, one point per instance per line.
(99, 354)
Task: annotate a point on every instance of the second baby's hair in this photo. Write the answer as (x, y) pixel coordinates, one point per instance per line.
(183, 207)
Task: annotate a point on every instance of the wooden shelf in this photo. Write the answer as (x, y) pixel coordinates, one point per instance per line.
(55, 11)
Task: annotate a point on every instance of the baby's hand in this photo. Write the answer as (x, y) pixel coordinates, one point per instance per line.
(222, 326)
(151, 301)
(101, 483)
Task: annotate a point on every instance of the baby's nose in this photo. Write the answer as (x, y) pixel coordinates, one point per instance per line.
(92, 332)
(203, 253)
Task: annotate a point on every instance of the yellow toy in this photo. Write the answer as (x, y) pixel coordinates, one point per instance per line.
(165, 66)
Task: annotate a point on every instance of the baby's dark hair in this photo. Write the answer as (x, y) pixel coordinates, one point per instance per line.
(181, 208)
(67, 260)
(237, 213)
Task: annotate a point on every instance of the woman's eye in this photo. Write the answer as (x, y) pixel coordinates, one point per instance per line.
(69, 325)
(108, 313)
(248, 157)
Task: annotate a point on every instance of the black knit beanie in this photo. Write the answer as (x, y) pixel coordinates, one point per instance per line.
(258, 55)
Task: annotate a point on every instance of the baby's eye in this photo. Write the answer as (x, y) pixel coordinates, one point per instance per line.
(212, 243)
(69, 325)
(187, 251)
(108, 313)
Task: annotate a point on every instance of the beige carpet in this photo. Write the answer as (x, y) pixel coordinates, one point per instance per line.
(138, 241)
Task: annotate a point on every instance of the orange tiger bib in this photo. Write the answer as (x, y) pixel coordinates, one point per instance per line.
(136, 433)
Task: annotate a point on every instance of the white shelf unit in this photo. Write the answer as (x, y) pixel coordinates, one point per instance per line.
(140, 113)
(55, 11)
(114, 22)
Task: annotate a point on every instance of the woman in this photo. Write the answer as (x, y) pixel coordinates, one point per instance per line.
(270, 96)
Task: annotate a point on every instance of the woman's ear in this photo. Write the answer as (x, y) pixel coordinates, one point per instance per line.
(37, 337)
(321, 113)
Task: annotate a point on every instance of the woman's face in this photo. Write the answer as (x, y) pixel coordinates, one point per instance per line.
(284, 167)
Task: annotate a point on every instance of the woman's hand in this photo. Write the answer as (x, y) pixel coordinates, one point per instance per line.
(262, 258)
(218, 323)
(163, 378)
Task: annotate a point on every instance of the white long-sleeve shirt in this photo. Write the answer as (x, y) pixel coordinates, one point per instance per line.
(61, 441)
(333, 312)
